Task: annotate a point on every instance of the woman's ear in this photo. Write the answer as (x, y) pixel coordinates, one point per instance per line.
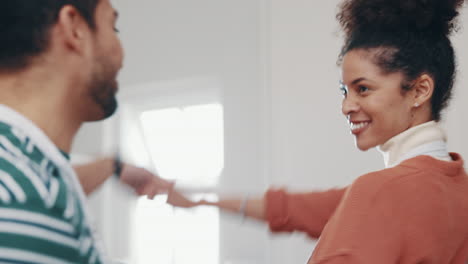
(423, 88)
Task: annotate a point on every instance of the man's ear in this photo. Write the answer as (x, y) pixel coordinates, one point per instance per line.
(73, 29)
(423, 89)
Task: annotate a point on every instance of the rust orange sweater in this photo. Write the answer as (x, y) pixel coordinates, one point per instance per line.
(416, 212)
(307, 212)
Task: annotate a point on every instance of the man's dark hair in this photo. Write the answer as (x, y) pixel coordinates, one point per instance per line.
(25, 27)
(407, 36)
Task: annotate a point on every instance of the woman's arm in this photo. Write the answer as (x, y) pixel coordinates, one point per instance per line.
(283, 211)
(250, 207)
(307, 212)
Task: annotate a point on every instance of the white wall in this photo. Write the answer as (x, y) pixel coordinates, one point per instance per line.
(275, 61)
(167, 41)
(456, 116)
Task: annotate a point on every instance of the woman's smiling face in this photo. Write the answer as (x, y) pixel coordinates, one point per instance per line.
(374, 103)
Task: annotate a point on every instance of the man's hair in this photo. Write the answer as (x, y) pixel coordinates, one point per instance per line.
(25, 27)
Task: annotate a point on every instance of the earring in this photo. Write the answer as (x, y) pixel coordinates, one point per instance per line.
(416, 105)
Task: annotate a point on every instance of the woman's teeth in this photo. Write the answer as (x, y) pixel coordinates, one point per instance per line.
(356, 126)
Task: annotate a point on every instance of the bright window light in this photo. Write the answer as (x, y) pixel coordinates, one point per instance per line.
(187, 145)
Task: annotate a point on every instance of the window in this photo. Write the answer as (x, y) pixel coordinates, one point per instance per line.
(185, 144)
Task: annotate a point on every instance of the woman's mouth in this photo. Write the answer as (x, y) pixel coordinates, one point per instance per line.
(358, 126)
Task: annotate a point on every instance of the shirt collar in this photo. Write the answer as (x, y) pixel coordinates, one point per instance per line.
(40, 139)
(57, 156)
(396, 149)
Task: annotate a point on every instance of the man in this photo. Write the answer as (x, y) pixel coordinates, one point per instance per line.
(58, 65)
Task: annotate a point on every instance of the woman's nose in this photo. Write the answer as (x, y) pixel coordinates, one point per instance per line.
(349, 105)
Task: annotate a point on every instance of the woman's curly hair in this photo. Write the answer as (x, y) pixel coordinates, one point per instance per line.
(408, 36)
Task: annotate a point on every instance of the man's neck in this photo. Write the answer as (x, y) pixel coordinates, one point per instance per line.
(45, 104)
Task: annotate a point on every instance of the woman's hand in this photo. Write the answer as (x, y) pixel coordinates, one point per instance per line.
(175, 198)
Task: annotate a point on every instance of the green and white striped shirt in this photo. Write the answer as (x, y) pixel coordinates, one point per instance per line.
(43, 217)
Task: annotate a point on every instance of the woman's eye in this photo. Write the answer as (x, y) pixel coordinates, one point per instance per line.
(116, 30)
(363, 89)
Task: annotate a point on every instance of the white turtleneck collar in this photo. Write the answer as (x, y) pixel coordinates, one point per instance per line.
(425, 139)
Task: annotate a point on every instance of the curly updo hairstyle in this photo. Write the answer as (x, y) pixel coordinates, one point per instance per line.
(407, 36)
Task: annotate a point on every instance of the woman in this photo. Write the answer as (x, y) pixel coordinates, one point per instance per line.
(398, 67)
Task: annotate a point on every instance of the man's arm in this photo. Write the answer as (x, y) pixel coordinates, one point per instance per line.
(142, 181)
(93, 174)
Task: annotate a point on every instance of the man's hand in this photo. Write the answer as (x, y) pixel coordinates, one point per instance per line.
(144, 182)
